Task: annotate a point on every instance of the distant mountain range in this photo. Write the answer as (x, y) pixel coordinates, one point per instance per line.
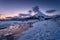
(38, 16)
(28, 18)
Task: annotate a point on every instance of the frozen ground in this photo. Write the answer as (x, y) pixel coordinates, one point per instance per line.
(43, 30)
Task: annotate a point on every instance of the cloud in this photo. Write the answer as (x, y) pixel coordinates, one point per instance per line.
(50, 11)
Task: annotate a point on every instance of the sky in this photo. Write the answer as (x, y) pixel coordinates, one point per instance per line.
(10, 8)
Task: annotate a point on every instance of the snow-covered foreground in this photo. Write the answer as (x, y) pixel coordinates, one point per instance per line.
(42, 30)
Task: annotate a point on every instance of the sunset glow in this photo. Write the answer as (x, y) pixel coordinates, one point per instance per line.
(2, 17)
(11, 8)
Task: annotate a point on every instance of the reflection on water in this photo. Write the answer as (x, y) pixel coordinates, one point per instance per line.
(13, 28)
